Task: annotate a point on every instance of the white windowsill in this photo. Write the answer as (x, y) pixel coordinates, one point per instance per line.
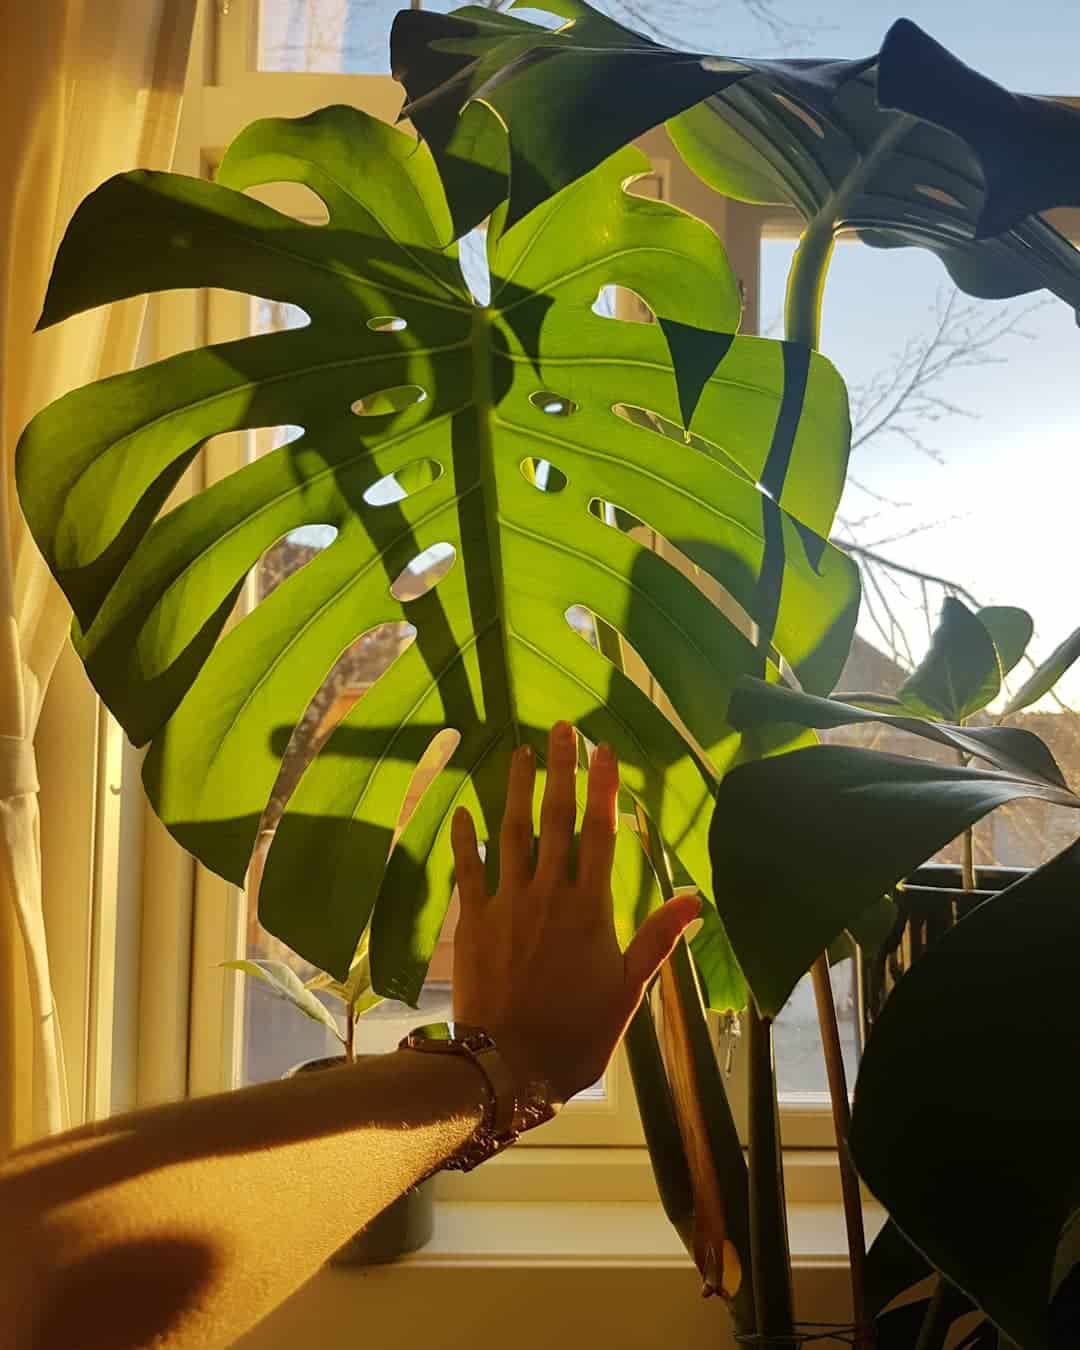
(571, 1273)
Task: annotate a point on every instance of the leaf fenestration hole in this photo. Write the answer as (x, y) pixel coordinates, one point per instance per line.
(617, 518)
(555, 405)
(939, 195)
(290, 555)
(423, 573)
(543, 475)
(599, 634)
(803, 116)
(647, 420)
(387, 323)
(431, 763)
(292, 199)
(395, 487)
(363, 662)
(382, 402)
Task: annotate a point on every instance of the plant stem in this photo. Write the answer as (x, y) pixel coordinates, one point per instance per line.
(350, 1033)
(770, 1256)
(967, 865)
(710, 1141)
(660, 1123)
(841, 1114)
(939, 1315)
(806, 283)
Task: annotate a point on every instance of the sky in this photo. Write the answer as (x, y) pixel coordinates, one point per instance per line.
(997, 514)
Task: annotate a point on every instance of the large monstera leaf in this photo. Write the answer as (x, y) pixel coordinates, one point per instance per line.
(905, 147)
(400, 372)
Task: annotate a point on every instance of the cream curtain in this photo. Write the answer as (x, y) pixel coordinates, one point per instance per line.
(91, 88)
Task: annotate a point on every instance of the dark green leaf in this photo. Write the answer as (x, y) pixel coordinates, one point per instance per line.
(812, 133)
(893, 1266)
(1027, 149)
(979, 1173)
(1010, 629)
(1045, 676)
(960, 674)
(802, 843)
(898, 1329)
(756, 702)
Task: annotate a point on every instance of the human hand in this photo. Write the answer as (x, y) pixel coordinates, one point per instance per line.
(538, 965)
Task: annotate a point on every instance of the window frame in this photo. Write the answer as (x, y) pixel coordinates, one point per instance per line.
(226, 93)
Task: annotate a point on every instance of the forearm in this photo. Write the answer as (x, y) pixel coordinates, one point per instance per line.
(189, 1222)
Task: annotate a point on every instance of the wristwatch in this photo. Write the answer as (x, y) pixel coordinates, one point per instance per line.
(509, 1110)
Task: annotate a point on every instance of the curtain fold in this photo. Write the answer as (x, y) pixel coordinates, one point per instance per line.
(91, 89)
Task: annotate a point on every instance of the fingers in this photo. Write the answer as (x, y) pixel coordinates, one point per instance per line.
(468, 867)
(559, 810)
(656, 939)
(596, 851)
(516, 837)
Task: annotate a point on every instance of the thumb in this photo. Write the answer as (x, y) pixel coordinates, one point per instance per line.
(656, 938)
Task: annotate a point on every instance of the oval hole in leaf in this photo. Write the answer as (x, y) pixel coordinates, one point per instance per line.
(634, 309)
(602, 636)
(289, 555)
(363, 662)
(617, 518)
(555, 405)
(425, 572)
(387, 323)
(647, 420)
(428, 767)
(543, 475)
(938, 195)
(803, 116)
(395, 487)
(292, 199)
(384, 401)
(275, 316)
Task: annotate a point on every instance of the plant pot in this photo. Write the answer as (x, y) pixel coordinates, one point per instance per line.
(930, 902)
(404, 1226)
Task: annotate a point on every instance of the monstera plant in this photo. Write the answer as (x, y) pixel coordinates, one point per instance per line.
(907, 147)
(401, 373)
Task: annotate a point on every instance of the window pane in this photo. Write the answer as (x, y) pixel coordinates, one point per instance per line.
(966, 476)
(350, 37)
(800, 1069)
(1028, 47)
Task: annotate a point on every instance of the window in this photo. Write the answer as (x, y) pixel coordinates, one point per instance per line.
(971, 518)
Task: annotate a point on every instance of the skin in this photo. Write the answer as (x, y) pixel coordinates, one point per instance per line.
(184, 1225)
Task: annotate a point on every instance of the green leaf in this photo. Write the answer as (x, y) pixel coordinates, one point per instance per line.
(960, 673)
(871, 928)
(980, 1179)
(803, 842)
(1010, 629)
(893, 1266)
(355, 991)
(1045, 676)
(866, 146)
(458, 404)
(757, 702)
(286, 984)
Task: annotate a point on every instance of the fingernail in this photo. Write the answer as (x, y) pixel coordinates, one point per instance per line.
(523, 754)
(562, 735)
(604, 756)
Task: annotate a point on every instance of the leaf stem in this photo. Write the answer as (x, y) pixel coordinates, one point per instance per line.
(806, 283)
(770, 1255)
(841, 1114)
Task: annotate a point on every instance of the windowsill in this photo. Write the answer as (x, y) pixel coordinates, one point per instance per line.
(575, 1273)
